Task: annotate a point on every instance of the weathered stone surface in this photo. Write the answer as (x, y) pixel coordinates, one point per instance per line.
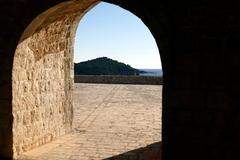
(42, 81)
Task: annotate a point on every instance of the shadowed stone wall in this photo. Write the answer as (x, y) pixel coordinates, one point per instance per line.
(199, 46)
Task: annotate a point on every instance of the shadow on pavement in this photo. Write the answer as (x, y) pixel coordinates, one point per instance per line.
(150, 152)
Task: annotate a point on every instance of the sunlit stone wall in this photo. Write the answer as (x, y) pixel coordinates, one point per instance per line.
(43, 77)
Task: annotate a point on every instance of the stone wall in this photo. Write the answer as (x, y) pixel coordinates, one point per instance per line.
(42, 97)
(43, 79)
(118, 79)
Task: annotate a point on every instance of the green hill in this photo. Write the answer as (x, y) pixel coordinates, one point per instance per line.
(104, 66)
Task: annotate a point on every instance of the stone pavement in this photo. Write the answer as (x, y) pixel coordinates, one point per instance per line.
(111, 121)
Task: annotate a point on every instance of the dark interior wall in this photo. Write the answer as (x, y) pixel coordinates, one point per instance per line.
(201, 105)
(199, 49)
(201, 115)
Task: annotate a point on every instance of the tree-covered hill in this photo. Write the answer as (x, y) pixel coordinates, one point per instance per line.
(104, 66)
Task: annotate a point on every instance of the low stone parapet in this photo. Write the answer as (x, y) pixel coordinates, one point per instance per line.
(115, 79)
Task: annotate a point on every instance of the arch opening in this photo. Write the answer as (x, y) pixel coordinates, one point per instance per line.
(43, 76)
(122, 112)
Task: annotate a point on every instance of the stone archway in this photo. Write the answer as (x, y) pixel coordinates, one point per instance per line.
(28, 52)
(42, 77)
(198, 42)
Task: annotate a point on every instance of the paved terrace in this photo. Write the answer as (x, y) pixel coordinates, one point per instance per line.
(112, 122)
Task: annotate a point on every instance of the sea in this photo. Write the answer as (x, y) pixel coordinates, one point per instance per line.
(152, 72)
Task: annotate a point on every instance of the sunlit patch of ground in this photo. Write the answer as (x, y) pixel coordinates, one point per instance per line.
(111, 121)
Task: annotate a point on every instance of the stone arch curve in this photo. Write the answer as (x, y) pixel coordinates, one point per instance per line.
(42, 76)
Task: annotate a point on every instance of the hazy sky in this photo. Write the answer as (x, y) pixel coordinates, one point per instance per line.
(110, 31)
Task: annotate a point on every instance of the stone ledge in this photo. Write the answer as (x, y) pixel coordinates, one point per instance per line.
(115, 79)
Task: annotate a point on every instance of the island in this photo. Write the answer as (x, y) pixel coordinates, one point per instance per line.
(104, 66)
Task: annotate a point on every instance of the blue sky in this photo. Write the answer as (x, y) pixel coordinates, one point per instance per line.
(110, 31)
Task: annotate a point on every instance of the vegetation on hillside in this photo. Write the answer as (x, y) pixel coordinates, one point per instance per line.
(104, 66)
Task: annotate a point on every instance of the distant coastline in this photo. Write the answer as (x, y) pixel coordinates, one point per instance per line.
(151, 72)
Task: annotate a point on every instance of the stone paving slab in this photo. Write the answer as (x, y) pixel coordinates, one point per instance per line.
(111, 121)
